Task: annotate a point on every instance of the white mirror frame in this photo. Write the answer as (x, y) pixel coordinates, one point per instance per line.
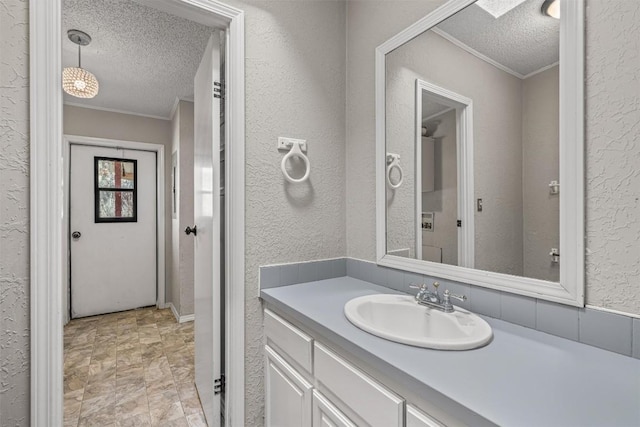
(570, 289)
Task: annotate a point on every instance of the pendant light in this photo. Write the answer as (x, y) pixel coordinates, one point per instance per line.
(551, 8)
(77, 81)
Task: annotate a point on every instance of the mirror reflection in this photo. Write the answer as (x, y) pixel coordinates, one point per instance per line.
(472, 141)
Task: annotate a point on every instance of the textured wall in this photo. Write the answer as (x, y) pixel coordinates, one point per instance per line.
(14, 213)
(497, 132)
(613, 154)
(295, 85)
(540, 166)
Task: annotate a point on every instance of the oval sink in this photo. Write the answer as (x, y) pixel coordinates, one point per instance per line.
(399, 318)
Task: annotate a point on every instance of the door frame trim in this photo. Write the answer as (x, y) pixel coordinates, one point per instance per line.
(45, 112)
(68, 141)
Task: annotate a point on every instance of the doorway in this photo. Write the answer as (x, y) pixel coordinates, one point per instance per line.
(47, 289)
(113, 229)
(436, 106)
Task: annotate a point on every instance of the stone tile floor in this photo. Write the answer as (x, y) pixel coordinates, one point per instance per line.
(134, 368)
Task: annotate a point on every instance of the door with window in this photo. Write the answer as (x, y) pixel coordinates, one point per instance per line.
(112, 221)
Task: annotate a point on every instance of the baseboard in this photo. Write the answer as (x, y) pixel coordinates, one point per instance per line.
(180, 319)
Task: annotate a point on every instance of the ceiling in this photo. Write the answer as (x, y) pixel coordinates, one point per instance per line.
(431, 107)
(143, 58)
(523, 40)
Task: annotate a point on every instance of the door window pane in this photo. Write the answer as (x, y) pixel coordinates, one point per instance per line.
(116, 173)
(115, 190)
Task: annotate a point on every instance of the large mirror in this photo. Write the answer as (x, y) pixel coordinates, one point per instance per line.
(479, 146)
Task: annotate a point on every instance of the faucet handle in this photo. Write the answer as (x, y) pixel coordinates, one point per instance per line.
(435, 285)
(422, 287)
(448, 295)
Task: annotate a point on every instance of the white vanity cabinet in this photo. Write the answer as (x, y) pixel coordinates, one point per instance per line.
(355, 390)
(288, 395)
(416, 418)
(325, 414)
(308, 384)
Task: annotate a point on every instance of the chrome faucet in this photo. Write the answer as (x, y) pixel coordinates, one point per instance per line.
(433, 299)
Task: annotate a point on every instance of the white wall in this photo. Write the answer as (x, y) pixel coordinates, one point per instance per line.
(443, 201)
(613, 154)
(14, 213)
(540, 166)
(295, 85)
(182, 251)
(110, 125)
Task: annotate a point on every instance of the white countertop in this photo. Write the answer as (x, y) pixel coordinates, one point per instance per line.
(522, 378)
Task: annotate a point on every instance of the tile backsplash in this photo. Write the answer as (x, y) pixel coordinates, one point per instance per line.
(609, 331)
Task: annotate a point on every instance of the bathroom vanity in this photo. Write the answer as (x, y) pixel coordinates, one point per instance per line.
(323, 371)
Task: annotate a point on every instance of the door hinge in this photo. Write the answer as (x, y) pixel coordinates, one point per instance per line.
(219, 385)
(218, 90)
(459, 223)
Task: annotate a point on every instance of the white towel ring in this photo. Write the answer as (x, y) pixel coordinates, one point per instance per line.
(393, 161)
(295, 152)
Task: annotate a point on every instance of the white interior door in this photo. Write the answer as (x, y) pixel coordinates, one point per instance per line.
(207, 214)
(112, 218)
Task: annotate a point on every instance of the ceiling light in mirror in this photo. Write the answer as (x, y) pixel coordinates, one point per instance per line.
(551, 8)
(497, 8)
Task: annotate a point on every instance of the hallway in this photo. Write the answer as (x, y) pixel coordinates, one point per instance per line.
(134, 368)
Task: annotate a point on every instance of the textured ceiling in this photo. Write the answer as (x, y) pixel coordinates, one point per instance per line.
(143, 58)
(523, 39)
(431, 107)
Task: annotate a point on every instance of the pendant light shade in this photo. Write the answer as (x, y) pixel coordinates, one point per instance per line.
(77, 81)
(551, 8)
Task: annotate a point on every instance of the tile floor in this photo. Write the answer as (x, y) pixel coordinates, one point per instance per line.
(134, 368)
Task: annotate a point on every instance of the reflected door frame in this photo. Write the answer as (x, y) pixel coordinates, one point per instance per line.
(68, 141)
(463, 107)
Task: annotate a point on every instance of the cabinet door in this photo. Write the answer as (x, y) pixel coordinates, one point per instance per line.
(287, 394)
(415, 418)
(327, 415)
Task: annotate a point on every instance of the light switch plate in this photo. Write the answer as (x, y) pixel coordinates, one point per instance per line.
(285, 143)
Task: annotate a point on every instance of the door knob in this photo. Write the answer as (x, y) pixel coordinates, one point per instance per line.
(190, 230)
(76, 235)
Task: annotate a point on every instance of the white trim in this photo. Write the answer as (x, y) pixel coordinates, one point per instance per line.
(114, 110)
(464, 160)
(180, 319)
(174, 108)
(45, 169)
(46, 202)
(69, 140)
(570, 289)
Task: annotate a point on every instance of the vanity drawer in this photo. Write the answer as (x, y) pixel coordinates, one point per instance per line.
(370, 400)
(292, 343)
